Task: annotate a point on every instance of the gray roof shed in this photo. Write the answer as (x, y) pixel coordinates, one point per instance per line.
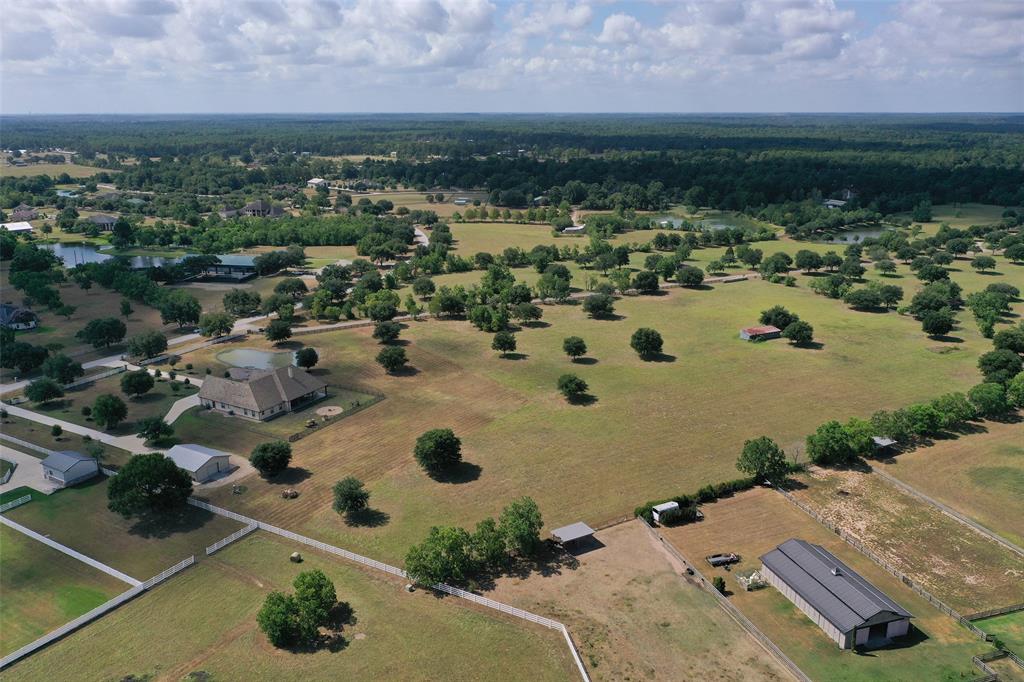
(836, 591)
(574, 531)
(65, 459)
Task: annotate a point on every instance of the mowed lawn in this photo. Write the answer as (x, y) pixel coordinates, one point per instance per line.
(154, 403)
(43, 589)
(78, 518)
(756, 521)
(41, 435)
(52, 169)
(655, 429)
(204, 619)
(956, 563)
(1009, 628)
(980, 475)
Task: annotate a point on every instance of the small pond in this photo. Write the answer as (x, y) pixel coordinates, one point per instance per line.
(255, 359)
(76, 254)
(714, 223)
(852, 236)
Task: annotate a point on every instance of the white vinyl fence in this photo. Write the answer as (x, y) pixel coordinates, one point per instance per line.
(7, 506)
(85, 618)
(387, 568)
(237, 535)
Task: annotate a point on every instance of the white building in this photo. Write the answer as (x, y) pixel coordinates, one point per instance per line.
(316, 182)
(18, 227)
(201, 463)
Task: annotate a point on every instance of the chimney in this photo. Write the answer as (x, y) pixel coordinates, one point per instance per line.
(291, 372)
(835, 570)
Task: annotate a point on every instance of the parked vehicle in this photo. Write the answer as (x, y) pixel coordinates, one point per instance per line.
(722, 559)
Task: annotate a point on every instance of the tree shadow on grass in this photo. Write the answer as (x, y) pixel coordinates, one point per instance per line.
(813, 345)
(946, 338)
(367, 518)
(534, 324)
(289, 345)
(582, 400)
(405, 371)
(162, 527)
(659, 357)
(514, 356)
(289, 476)
(614, 317)
(585, 361)
(463, 472)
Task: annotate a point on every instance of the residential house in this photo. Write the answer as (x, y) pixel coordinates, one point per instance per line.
(261, 394)
(16, 317)
(316, 182)
(261, 209)
(104, 222)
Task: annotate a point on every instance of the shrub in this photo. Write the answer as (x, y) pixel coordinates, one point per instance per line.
(392, 358)
(990, 399)
(574, 347)
(719, 583)
(799, 333)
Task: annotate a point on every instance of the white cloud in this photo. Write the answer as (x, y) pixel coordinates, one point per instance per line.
(534, 54)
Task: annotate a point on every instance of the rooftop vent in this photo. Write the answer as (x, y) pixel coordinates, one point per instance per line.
(835, 570)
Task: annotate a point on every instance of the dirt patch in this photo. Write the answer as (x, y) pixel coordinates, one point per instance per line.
(633, 617)
(329, 411)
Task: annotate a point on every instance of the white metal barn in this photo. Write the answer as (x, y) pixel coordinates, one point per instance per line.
(848, 608)
(201, 463)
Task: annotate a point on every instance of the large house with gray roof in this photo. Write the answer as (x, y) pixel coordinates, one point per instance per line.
(261, 394)
(850, 610)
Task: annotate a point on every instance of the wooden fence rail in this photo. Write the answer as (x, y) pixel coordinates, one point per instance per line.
(1012, 608)
(903, 577)
(731, 610)
(7, 506)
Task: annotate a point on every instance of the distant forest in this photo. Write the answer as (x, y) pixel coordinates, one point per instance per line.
(743, 162)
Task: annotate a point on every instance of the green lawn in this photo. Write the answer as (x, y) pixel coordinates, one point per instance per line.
(215, 429)
(155, 403)
(204, 619)
(52, 169)
(1009, 628)
(43, 589)
(78, 517)
(41, 435)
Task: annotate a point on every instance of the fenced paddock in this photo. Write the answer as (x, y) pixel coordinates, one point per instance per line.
(100, 610)
(391, 570)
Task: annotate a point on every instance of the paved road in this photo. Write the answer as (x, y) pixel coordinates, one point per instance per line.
(179, 408)
(28, 473)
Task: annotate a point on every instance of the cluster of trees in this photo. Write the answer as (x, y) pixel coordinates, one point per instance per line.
(294, 620)
(799, 332)
(454, 555)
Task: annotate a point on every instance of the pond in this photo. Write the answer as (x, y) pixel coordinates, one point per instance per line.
(76, 254)
(858, 234)
(714, 223)
(255, 359)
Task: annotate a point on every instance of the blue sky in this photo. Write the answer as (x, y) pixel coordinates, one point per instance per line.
(153, 56)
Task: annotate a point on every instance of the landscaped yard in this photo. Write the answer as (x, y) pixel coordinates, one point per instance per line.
(957, 564)
(218, 430)
(78, 517)
(980, 475)
(41, 435)
(155, 403)
(204, 619)
(754, 522)
(44, 588)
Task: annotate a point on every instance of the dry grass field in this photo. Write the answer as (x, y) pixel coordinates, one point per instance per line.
(634, 617)
(51, 169)
(43, 589)
(957, 564)
(204, 619)
(78, 517)
(980, 475)
(654, 429)
(754, 522)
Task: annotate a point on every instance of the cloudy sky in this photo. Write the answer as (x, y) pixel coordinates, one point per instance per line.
(151, 56)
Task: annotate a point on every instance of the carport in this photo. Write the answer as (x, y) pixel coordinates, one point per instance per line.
(573, 536)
